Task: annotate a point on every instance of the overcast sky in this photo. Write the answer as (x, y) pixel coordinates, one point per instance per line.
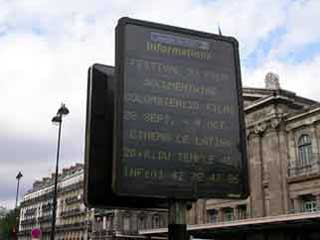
(47, 46)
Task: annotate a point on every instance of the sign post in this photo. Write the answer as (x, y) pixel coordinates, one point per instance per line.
(177, 228)
(36, 233)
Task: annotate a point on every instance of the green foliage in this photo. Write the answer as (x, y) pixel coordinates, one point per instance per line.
(7, 224)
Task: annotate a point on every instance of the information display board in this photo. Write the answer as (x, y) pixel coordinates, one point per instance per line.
(98, 145)
(179, 127)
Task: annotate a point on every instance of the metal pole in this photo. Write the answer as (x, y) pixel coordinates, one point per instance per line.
(16, 227)
(17, 194)
(53, 226)
(177, 228)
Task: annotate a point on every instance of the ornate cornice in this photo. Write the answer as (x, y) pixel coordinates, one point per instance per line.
(261, 128)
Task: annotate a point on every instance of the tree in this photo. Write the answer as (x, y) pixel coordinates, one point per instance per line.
(9, 225)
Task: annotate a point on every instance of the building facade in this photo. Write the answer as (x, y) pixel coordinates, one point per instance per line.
(3, 212)
(73, 220)
(126, 224)
(283, 145)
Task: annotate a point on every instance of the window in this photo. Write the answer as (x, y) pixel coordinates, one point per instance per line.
(155, 221)
(228, 214)
(309, 203)
(242, 211)
(213, 216)
(109, 222)
(126, 223)
(141, 222)
(305, 150)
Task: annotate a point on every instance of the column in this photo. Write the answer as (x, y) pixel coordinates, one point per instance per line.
(256, 173)
(275, 147)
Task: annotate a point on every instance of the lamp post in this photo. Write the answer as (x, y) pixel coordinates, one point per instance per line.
(63, 110)
(18, 177)
(15, 228)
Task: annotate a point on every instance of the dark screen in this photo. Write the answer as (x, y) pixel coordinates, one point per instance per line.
(178, 114)
(99, 140)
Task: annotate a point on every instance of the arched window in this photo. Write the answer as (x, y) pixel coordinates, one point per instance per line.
(141, 222)
(126, 223)
(156, 221)
(213, 215)
(308, 203)
(228, 214)
(305, 150)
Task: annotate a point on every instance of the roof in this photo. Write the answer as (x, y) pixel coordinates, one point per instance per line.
(256, 97)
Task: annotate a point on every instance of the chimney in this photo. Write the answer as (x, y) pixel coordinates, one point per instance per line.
(272, 81)
(37, 184)
(79, 166)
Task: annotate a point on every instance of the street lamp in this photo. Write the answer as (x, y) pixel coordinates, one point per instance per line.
(57, 119)
(18, 177)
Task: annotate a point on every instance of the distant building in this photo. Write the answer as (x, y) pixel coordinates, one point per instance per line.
(74, 221)
(3, 212)
(73, 218)
(126, 224)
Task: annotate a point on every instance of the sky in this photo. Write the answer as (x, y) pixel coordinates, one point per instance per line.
(47, 46)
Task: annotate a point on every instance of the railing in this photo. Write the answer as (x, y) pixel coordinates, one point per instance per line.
(72, 187)
(45, 219)
(49, 195)
(74, 199)
(28, 221)
(292, 211)
(41, 198)
(302, 170)
(72, 212)
(103, 234)
(71, 226)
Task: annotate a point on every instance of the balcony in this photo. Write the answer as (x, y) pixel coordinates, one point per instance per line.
(38, 199)
(73, 226)
(72, 200)
(44, 219)
(296, 170)
(72, 213)
(103, 234)
(74, 187)
(28, 221)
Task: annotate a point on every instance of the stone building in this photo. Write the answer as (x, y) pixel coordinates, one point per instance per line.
(126, 224)
(73, 220)
(283, 136)
(3, 212)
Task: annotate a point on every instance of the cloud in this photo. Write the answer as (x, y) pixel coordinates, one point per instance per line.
(301, 29)
(300, 78)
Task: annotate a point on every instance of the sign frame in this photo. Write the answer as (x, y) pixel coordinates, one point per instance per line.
(99, 143)
(119, 103)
